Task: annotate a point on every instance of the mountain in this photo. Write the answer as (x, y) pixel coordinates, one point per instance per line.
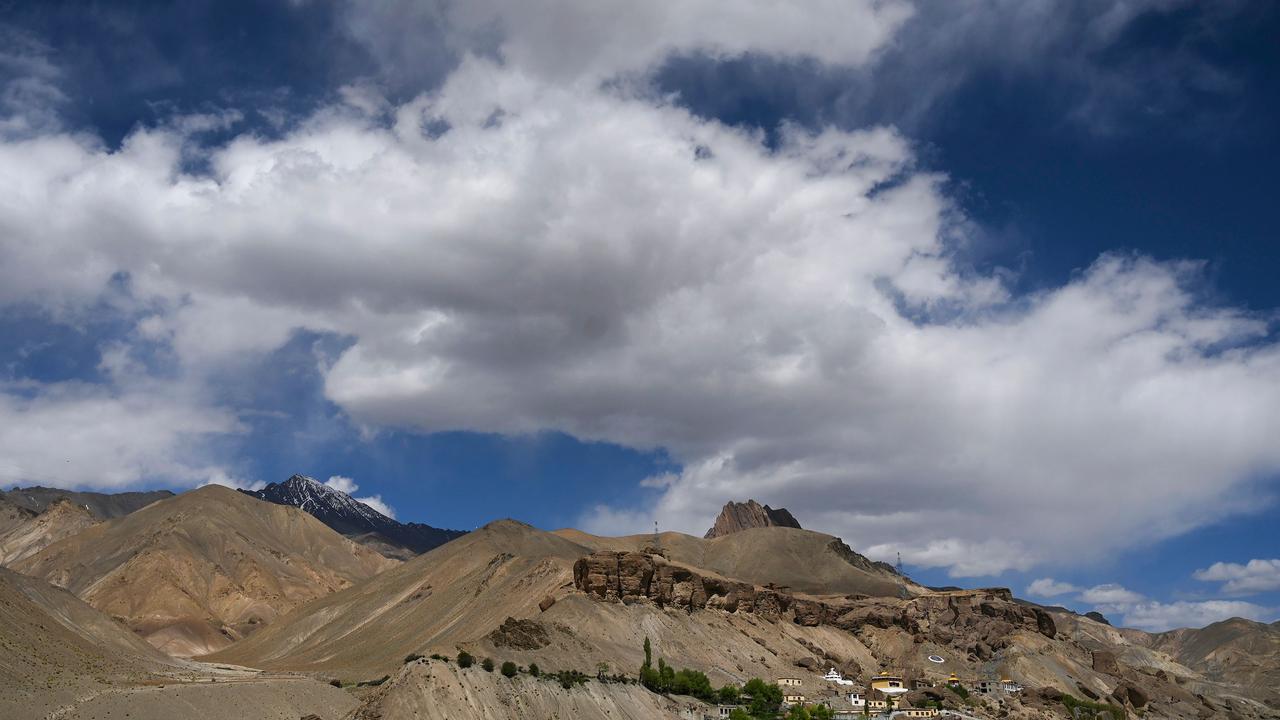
(735, 517)
(55, 648)
(61, 658)
(103, 506)
(60, 520)
(199, 570)
(801, 560)
(13, 515)
(571, 601)
(355, 519)
(1238, 651)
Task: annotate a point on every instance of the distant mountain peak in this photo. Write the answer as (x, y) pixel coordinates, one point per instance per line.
(353, 518)
(736, 516)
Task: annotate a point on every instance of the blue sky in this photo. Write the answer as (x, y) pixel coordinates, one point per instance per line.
(988, 286)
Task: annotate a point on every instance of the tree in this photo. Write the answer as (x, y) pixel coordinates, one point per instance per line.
(509, 669)
(534, 670)
(728, 695)
(648, 653)
(465, 660)
(602, 669)
(487, 664)
(739, 714)
(765, 698)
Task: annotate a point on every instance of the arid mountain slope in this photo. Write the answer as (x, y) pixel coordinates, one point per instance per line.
(511, 592)
(103, 506)
(60, 520)
(53, 647)
(453, 594)
(802, 560)
(197, 571)
(736, 516)
(1236, 651)
(433, 690)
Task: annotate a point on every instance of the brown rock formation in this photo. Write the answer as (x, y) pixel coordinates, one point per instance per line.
(977, 622)
(750, 514)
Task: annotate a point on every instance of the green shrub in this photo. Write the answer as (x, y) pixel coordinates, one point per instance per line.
(411, 657)
(487, 664)
(465, 660)
(373, 683)
(1099, 711)
(509, 669)
(533, 669)
(336, 682)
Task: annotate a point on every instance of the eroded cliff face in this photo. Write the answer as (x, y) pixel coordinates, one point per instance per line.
(978, 622)
(737, 516)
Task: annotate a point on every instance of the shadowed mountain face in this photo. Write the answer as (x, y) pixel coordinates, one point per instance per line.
(355, 519)
(103, 506)
(737, 516)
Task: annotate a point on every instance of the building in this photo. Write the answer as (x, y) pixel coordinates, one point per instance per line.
(790, 682)
(917, 712)
(834, 676)
(793, 699)
(859, 700)
(888, 684)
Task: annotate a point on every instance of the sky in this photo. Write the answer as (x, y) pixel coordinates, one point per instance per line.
(986, 284)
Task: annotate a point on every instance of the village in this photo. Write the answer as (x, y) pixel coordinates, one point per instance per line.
(883, 695)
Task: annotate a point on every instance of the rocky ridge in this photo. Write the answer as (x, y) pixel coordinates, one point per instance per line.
(736, 516)
(977, 622)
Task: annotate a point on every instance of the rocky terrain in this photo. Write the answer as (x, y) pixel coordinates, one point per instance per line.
(195, 572)
(355, 519)
(440, 691)
(736, 516)
(103, 506)
(61, 519)
(269, 587)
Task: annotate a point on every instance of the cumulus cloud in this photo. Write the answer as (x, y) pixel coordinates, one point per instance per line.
(1048, 587)
(342, 484)
(376, 502)
(1258, 575)
(225, 480)
(1158, 617)
(1110, 594)
(81, 435)
(520, 251)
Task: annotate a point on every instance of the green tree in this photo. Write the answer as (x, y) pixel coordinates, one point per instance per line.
(602, 669)
(765, 698)
(739, 714)
(648, 653)
(534, 670)
(465, 660)
(728, 695)
(509, 669)
(487, 664)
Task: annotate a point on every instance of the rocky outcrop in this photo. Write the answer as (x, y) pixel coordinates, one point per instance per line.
(978, 622)
(520, 634)
(750, 514)
(1105, 662)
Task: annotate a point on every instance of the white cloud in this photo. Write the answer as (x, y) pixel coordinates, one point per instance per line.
(1158, 617)
(375, 502)
(80, 435)
(1048, 587)
(342, 484)
(789, 322)
(225, 480)
(1258, 575)
(1110, 594)
(570, 41)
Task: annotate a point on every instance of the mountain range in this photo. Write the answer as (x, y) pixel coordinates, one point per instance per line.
(355, 519)
(222, 604)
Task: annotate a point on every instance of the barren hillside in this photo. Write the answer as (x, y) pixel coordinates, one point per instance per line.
(200, 570)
